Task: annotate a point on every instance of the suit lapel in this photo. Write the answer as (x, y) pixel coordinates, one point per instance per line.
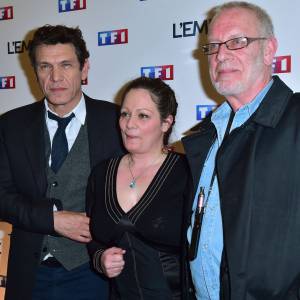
(35, 146)
(95, 131)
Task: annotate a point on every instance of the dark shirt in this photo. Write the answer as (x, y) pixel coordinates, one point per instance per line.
(150, 232)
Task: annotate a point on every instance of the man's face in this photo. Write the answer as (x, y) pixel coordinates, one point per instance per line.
(239, 73)
(59, 75)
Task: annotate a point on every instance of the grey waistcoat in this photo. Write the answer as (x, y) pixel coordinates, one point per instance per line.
(69, 186)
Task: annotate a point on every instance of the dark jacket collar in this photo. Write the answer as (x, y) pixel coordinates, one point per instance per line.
(268, 114)
(274, 104)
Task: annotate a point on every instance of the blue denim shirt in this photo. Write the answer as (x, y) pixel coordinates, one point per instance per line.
(206, 267)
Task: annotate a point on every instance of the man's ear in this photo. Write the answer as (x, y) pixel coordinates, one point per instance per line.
(85, 69)
(270, 50)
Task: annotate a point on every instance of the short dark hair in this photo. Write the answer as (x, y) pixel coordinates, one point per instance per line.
(58, 34)
(161, 94)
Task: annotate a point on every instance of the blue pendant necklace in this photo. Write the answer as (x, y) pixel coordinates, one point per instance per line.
(132, 183)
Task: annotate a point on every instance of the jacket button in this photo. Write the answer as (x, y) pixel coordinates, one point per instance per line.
(54, 184)
(45, 249)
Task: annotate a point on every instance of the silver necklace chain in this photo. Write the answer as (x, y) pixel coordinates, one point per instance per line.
(132, 183)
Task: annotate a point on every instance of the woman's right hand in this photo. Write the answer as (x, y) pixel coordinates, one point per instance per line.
(112, 261)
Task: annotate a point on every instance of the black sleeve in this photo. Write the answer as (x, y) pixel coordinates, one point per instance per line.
(34, 214)
(95, 248)
(187, 283)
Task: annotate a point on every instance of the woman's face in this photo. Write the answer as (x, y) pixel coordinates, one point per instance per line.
(140, 122)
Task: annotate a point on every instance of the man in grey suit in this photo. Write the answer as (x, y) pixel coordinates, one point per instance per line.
(47, 150)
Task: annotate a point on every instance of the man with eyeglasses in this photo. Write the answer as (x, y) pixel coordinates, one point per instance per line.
(243, 222)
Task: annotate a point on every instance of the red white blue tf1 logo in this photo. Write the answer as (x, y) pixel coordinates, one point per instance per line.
(113, 37)
(282, 64)
(70, 5)
(165, 72)
(6, 13)
(7, 82)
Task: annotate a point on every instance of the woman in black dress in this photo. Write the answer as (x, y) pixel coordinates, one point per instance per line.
(135, 202)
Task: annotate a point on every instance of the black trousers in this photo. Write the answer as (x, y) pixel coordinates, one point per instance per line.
(81, 283)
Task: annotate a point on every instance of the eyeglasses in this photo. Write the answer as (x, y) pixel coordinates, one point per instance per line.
(232, 44)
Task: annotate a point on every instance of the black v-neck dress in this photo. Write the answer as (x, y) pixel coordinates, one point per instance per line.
(150, 232)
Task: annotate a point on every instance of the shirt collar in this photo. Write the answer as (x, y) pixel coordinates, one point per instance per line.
(221, 115)
(79, 110)
(248, 109)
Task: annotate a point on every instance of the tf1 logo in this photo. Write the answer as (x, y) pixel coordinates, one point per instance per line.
(282, 64)
(7, 82)
(113, 37)
(70, 5)
(6, 13)
(165, 72)
(203, 111)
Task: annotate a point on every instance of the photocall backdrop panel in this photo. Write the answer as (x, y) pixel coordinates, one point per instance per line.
(127, 39)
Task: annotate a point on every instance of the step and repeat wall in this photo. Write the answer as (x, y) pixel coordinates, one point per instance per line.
(127, 39)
